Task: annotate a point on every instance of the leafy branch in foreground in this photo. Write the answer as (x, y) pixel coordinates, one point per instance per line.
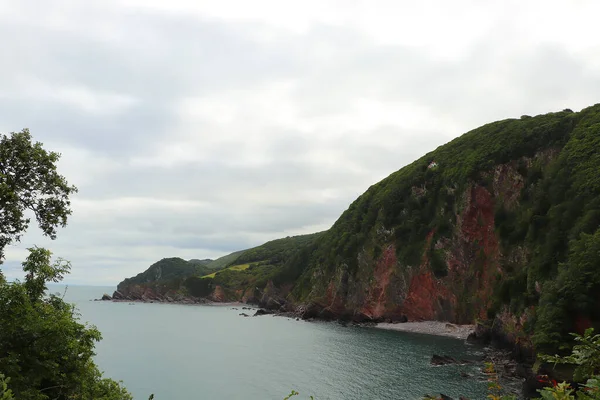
(294, 393)
(586, 356)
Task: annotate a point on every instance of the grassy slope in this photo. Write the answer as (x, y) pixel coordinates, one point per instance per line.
(239, 267)
(256, 266)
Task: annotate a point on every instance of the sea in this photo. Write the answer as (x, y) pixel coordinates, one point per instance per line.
(206, 352)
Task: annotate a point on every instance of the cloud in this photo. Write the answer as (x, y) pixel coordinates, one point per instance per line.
(196, 129)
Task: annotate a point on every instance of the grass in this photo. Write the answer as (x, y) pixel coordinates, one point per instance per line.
(239, 267)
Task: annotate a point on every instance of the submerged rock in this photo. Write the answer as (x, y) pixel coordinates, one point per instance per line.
(445, 360)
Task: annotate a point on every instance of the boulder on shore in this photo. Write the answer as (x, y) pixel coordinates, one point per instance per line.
(106, 297)
(262, 311)
(118, 295)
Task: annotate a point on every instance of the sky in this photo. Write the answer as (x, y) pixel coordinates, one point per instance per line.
(197, 128)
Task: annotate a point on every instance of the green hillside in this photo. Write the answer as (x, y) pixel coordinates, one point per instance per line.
(499, 225)
(239, 267)
(224, 261)
(253, 268)
(493, 223)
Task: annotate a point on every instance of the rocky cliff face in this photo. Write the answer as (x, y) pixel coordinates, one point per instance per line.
(384, 288)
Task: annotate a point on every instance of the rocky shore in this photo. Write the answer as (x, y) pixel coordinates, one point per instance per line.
(437, 328)
(512, 362)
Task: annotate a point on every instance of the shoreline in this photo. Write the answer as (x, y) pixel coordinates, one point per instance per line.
(436, 328)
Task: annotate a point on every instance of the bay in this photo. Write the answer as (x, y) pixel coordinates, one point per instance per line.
(185, 352)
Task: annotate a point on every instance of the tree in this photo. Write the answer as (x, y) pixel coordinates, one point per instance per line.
(573, 294)
(45, 352)
(29, 181)
(44, 349)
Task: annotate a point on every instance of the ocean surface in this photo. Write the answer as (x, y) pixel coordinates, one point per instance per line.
(188, 352)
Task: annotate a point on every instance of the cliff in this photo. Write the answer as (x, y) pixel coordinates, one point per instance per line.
(490, 226)
(483, 227)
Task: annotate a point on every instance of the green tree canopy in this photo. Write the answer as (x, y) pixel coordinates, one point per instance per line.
(29, 181)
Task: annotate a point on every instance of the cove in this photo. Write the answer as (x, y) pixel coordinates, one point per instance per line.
(181, 352)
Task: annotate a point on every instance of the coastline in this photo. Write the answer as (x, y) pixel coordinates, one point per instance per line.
(436, 328)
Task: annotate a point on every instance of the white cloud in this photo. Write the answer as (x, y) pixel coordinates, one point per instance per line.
(197, 128)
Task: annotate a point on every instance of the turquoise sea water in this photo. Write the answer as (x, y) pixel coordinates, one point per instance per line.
(181, 352)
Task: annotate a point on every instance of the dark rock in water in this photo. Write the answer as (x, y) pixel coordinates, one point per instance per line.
(117, 295)
(464, 374)
(233, 308)
(462, 398)
(244, 314)
(444, 397)
(106, 297)
(443, 360)
(297, 319)
(262, 311)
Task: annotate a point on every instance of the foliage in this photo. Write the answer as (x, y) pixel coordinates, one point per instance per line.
(240, 270)
(294, 393)
(44, 350)
(168, 269)
(171, 274)
(29, 181)
(572, 293)
(45, 353)
(494, 387)
(277, 251)
(5, 392)
(253, 268)
(556, 210)
(239, 267)
(224, 261)
(586, 356)
(199, 287)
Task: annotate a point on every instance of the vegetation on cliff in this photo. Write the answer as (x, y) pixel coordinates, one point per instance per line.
(235, 275)
(169, 269)
(502, 221)
(500, 224)
(265, 263)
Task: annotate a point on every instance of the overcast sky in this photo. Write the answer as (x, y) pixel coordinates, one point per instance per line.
(196, 128)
